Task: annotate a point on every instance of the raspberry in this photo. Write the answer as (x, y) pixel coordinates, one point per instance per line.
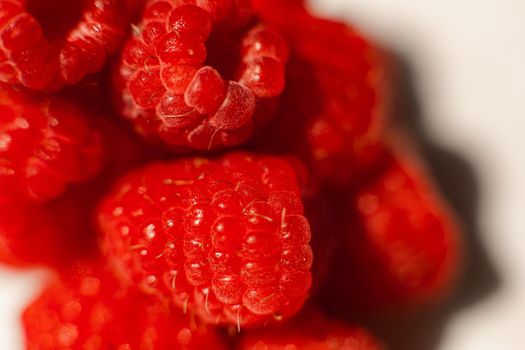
(331, 110)
(48, 44)
(223, 238)
(196, 73)
(46, 144)
(401, 243)
(86, 310)
(309, 333)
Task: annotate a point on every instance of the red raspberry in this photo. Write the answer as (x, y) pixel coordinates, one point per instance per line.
(87, 311)
(45, 144)
(46, 44)
(401, 243)
(224, 238)
(194, 76)
(312, 332)
(331, 110)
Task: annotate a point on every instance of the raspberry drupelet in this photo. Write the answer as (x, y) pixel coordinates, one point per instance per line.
(85, 309)
(200, 74)
(46, 144)
(46, 44)
(225, 239)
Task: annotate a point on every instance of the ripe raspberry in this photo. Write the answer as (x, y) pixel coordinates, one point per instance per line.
(48, 44)
(401, 243)
(224, 238)
(87, 311)
(312, 332)
(332, 108)
(45, 145)
(197, 74)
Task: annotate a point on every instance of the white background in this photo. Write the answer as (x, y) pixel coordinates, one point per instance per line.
(467, 60)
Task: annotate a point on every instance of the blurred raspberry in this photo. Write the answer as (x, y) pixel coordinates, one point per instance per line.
(311, 332)
(48, 44)
(332, 110)
(401, 242)
(86, 310)
(46, 144)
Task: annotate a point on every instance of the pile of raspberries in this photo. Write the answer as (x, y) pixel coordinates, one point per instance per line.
(210, 174)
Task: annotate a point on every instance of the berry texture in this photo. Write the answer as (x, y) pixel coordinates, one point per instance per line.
(86, 310)
(313, 332)
(46, 144)
(196, 74)
(402, 244)
(46, 44)
(225, 239)
(331, 112)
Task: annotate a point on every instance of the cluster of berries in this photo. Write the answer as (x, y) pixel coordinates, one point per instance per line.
(208, 174)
